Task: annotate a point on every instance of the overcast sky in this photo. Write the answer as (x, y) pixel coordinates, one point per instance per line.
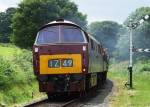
(98, 10)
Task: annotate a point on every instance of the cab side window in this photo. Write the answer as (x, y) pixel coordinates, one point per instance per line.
(86, 36)
(96, 48)
(92, 44)
(99, 49)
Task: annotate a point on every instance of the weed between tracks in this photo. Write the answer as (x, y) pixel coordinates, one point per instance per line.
(137, 97)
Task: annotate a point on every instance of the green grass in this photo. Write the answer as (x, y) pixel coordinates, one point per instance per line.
(8, 51)
(17, 81)
(139, 96)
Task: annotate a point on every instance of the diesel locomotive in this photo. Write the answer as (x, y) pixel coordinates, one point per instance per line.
(67, 59)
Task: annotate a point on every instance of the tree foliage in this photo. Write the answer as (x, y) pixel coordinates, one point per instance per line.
(5, 22)
(32, 14)
(141, 35)
(107, 32)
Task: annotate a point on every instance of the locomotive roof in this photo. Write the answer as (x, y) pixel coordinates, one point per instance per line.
(93, 38)
(66, 22)
(60, 22)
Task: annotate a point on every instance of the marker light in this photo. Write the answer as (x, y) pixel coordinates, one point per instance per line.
(36, 50)
(84, 48)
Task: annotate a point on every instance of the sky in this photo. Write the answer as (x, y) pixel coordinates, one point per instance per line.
(98, 10)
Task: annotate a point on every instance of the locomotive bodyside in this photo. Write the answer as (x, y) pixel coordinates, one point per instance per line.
(67, 59)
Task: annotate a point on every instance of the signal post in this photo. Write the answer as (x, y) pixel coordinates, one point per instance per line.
(133, 25)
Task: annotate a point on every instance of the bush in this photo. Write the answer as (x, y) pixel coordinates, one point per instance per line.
(7, 45)
(16, 70)
(6, 72)
(17, 81)
(145, 68)
(23, 61)
(142, 65)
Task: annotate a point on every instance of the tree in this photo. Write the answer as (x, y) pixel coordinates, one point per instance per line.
(32, 14)
(107, 32)
(141, 35)
(122, 46)
(5, 24)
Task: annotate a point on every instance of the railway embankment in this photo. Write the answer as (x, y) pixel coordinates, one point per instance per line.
(17, 82)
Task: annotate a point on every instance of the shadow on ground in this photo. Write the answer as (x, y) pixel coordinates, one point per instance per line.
(99, 97)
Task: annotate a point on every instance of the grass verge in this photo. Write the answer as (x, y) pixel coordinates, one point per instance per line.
(139, 96)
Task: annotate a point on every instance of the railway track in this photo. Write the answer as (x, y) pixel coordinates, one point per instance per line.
(36, 102)
(47, 103)
(96, 98)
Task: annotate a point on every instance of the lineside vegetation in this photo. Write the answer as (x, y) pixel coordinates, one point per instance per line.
(137, 97)
(17, 82)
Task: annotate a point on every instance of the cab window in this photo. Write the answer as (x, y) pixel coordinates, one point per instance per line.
(48, 35)
(72, 34)
(60, 34)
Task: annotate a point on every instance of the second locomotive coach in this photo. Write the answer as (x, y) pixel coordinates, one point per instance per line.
(67, 59)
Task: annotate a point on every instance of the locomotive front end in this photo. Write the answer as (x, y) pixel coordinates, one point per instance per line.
(60, 58)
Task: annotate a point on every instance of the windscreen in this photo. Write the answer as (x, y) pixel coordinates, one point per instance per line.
(60, 34)
(72, 34)
(48, 35)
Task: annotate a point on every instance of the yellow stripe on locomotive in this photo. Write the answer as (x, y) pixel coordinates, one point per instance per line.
(58, 68)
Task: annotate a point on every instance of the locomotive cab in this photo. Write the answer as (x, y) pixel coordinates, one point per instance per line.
(62, 46)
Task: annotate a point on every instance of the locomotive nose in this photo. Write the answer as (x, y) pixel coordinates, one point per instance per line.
(61, 59)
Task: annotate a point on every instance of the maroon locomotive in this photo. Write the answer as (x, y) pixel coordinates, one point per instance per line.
(67, 59)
